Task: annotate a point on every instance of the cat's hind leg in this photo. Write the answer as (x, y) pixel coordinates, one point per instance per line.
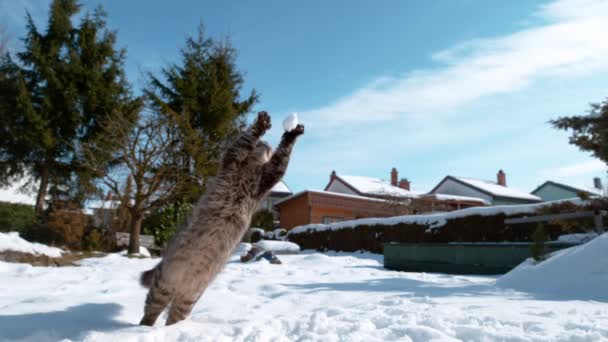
(156, 301)
(180, 309)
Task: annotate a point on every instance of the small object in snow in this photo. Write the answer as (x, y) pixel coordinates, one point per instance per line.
(290, 122)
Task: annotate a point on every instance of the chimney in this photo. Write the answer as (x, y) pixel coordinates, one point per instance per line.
(597, 183)
(394, 177)
(332, 176)
(404, 184)
(501, 178)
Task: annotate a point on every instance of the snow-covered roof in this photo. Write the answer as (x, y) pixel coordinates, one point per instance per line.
(495, 189)
(336, 194)
(375, 186)
(577, 188)
(281, 187)
(444, 197)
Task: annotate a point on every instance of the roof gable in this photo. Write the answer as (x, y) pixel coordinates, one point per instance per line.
(489, 188)
(368, 186)
(573, 188)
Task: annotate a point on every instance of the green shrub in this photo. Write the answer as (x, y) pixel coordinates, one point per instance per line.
(263, 219)
(165, 222)
(537, 248)
(15, 217)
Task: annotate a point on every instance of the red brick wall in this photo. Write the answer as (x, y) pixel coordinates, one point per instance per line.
(294, 212)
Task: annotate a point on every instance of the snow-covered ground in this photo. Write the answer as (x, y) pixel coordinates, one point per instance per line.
(310, 297)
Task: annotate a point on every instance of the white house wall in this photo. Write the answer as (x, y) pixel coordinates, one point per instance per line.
(450, 187)
(339, 187)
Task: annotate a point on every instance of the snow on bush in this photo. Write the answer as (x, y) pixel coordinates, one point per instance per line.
(13, 242)
(579, 272)
(432, 220)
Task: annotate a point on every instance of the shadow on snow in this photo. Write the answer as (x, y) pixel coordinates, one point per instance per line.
(70, 323)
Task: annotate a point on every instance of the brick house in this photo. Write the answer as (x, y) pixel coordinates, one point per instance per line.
(316, 206)
(353, 197)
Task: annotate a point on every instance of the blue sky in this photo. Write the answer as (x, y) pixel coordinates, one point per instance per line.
(432, 88)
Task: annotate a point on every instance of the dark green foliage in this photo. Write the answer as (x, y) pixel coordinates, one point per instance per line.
(263, 219)
(63, 85)
(589, 132)
(537, 248)
(15, 217)
(204, 90)
(166, 221)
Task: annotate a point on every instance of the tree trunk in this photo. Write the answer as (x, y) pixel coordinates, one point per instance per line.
(42, 190)
(136, 219)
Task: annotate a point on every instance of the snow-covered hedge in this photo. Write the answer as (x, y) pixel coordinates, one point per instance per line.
(481, 224)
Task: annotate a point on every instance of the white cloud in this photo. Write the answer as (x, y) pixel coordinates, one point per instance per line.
(591, 167)
(572, 42)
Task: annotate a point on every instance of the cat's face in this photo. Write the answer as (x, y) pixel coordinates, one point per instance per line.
(262, 153)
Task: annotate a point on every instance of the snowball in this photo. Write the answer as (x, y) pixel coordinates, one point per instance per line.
(290, 122)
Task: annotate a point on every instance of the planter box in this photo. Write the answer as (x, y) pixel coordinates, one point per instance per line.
(460, 258)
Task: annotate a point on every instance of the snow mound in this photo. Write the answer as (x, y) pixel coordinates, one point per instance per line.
(577, 238)
(579, 272)
(13, 242)
(279, 247)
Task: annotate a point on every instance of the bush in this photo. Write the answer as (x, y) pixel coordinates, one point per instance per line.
(537, 248)
(99, 239)
(165, 222)
(263, 219)
(59, 227)
(15, 217)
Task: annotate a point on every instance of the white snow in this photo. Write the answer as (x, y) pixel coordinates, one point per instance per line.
(498, 190)
(279, 247)
(143, 252)
(310, 297)
(375, 186)
(13, 242)
(290, 122)
(336, 194)
(444, 197)
(577, 238)
(432, 220)
(280, 187)
(579, 272)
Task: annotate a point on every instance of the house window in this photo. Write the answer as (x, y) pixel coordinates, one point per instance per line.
(330, 219)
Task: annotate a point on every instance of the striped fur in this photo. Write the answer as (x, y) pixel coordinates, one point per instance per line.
(198, 251)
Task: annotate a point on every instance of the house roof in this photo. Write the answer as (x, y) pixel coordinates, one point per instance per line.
(375, 187)
(573, 188)
(329, 193)
(491, 188)
(281, 187)
(445, 197)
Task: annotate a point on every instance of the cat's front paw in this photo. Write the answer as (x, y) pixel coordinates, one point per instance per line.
(262, 123)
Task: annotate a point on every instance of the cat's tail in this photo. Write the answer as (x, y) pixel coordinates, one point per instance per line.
(147, 277)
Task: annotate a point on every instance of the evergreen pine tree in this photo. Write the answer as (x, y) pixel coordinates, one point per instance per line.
(65, 82)
(204, 90)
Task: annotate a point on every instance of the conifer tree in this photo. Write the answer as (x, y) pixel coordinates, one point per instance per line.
(590, 131)
(204, 89)
(53, 97)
